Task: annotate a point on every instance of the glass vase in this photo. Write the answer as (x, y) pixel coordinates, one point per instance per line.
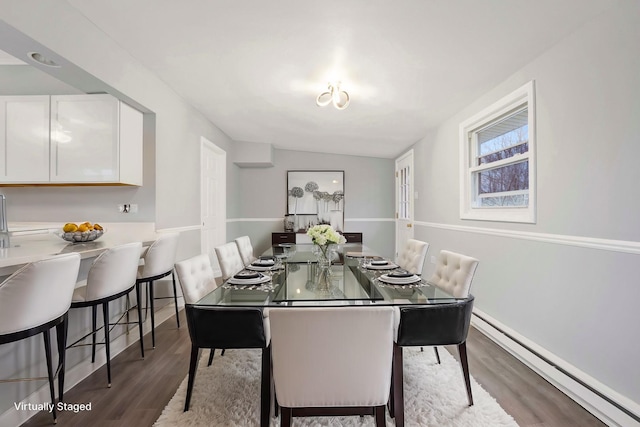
(323, 254)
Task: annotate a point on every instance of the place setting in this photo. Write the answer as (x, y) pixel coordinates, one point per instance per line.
(249, 280)
(378, 264)
(265, 264)
(400, 278)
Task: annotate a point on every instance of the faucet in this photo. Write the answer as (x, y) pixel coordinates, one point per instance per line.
(4, 229)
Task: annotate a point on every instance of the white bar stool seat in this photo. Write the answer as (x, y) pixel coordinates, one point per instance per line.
(36, 298)
(111, 276)
(159, 261)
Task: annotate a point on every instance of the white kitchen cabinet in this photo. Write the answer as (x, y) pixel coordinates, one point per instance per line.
(24, 139)
(95, 139)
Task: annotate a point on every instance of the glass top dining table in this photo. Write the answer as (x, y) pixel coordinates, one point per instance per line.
(296, 280)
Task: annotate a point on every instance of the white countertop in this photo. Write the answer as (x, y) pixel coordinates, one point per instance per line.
(30, 243)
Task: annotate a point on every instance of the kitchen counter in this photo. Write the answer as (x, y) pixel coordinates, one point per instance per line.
(36, 242)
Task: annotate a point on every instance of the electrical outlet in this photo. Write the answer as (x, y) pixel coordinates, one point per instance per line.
(125, 208)
(433, 259)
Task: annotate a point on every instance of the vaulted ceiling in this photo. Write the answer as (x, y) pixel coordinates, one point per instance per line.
(255, 68)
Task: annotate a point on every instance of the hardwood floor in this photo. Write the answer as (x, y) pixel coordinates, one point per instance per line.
(142, 388)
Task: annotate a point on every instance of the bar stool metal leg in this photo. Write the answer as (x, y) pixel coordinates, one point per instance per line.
(61, 336)
(153, 317)
(47, 350)
(175, 297)
(94, 314)
(105, 312)
(138, 302)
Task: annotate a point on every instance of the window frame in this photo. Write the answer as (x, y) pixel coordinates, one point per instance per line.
(523, 97)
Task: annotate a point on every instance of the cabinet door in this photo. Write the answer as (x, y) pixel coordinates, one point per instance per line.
(24, 139)
(84, 138)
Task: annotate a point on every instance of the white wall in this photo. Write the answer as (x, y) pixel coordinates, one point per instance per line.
(171, 192)
(547, 280)
(178, 127)
(368, 205)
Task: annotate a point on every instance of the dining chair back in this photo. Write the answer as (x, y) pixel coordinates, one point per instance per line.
(230, 328)
(112, 275)
(345, 353)
(196, 277)
(245, 249)
(33, 300)
(159, 259)
(229, 259)
(412, 256)
(454, 273)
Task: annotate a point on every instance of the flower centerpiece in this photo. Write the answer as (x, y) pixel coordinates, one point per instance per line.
(323, 235)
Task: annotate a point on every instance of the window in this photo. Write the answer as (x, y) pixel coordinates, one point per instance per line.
(498, 160)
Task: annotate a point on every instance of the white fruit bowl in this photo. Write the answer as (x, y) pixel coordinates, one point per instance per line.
(81, 236)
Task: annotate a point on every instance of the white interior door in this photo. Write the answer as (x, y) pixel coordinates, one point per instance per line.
(404, 199)
(213, 199)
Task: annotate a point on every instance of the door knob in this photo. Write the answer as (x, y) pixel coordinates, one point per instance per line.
(408, 225)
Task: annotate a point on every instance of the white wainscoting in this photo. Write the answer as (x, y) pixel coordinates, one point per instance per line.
(605, 403)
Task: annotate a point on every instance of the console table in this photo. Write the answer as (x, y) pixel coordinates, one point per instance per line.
(292, 237)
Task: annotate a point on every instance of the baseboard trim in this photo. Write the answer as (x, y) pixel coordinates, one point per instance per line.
(610, 407)
(13, 417)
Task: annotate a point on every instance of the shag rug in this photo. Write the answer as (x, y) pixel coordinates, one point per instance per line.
(227, 393)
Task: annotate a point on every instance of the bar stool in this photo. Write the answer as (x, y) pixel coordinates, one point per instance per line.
(111, 276)
(159, 259)
(36, 298)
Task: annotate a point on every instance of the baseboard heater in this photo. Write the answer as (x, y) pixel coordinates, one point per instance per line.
(585, 390)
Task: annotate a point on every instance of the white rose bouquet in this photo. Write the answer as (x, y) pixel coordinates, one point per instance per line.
(324, 235)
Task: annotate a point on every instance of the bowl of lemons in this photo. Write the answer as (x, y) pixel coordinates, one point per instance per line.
(78, 233)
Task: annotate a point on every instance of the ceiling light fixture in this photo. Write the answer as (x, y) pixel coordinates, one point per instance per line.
(339, 98)
(41, 59)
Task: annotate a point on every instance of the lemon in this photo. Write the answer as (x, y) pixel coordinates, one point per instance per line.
(83, 228)
(97, 227)
(70, 227)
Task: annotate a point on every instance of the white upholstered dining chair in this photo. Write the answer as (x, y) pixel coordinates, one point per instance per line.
(196, 279)
(412, 256)
(454, 273)
(332, 360)
(433, 325)
(246, 250)
(229, 259)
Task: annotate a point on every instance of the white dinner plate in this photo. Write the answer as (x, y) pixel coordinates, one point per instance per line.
(399, 280)
(387, 266)
(261, 268)
(255, 281)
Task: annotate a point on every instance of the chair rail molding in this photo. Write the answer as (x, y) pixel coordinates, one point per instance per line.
(280, 219)
(625, 246)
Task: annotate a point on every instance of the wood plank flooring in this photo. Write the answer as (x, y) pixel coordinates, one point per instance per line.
(142, 388)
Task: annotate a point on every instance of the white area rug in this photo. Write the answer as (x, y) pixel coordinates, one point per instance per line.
(228, 394)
